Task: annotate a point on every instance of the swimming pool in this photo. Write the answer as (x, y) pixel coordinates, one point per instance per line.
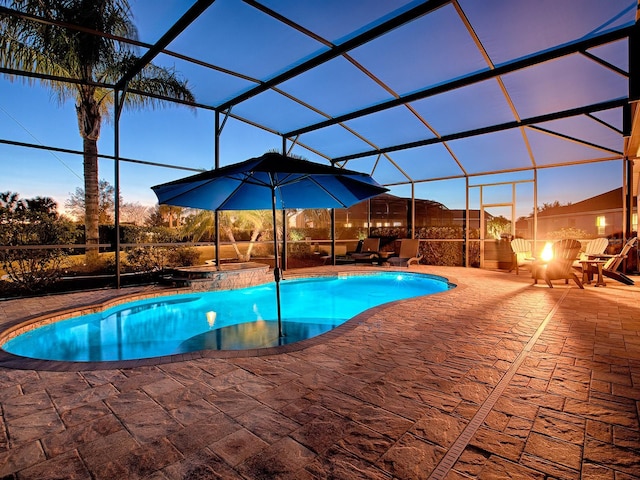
(219, 320)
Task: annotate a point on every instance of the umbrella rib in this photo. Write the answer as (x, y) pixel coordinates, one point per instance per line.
(299, 178)
(241, 182)
(327, 192)
(277, 184)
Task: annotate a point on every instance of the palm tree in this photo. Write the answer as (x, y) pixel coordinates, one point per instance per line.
(203, 222)
(93, 60)
(171, 213)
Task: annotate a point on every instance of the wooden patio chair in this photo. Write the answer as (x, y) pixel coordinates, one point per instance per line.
(560, 267)
(521, 254)
(610, 268)
(593, 249)
(409, 253)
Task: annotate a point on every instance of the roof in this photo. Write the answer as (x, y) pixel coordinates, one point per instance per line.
(410, 91)
(611, 200)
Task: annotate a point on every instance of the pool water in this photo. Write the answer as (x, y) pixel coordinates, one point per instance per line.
(219, 320)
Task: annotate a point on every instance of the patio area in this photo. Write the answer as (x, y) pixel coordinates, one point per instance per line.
(493, 379)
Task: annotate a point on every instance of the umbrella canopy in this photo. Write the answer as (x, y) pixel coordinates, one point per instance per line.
(273, 181)
(250, 185)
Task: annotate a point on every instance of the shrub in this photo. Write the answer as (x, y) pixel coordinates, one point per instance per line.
(567, 232)
(31, 223)
(146, 258)
(184, 256)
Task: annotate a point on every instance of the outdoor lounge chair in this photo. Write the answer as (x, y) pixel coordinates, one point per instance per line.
(560, 267)
(610, 268)
(369, 251)
(340, 255)
(593, 249)
(409, 253)
(521, 254)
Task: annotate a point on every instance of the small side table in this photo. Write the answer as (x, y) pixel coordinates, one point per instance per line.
(383, 257)
(586, 265)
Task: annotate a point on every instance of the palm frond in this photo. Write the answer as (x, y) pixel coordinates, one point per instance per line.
(160, 81)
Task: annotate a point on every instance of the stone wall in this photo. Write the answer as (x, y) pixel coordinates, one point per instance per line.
(229, 276)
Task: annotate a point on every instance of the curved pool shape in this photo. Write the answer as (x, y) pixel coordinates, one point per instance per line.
(219, 320)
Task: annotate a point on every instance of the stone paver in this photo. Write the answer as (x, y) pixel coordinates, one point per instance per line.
(533, 382)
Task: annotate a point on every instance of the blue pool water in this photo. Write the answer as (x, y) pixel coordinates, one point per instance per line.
(219, 320)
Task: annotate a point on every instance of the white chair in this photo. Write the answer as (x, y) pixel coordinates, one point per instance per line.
(592, 249)
(522, 255)
(610, 268)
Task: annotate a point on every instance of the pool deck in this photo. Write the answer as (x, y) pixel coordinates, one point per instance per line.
(496, 378)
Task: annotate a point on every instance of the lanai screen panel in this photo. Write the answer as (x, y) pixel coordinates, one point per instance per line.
(429, 161)
(392, 126)
(467, 129)
(416, 97)
(514, 29)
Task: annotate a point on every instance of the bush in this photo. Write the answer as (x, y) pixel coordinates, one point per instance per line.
(146, 258)
(567, 233)
(149, 258)
(30, 223)
(184, 257)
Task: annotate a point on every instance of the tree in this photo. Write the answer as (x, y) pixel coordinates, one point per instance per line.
(256, 221)
(163, 216)
(550, 206)
(32, 223)
(75, 204)
(154, 217)
(50, 49)
(497, 226)
(133, 213)
(171, 213)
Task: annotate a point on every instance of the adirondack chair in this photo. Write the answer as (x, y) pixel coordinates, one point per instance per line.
(610, 268)
(521, 254)
(560, 267)
(593, 249)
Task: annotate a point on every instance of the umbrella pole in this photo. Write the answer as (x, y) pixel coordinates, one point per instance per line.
(276, 268)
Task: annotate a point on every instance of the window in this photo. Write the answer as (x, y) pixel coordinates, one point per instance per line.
(601, 224)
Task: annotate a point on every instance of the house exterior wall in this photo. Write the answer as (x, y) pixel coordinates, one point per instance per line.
(586, 221)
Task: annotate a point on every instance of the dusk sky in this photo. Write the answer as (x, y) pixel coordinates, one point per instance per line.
(180, 136)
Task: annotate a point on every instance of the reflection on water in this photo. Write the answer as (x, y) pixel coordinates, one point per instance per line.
(220, 320)
(260, 334)
(211, 319)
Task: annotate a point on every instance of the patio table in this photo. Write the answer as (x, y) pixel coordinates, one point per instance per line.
(586, 267)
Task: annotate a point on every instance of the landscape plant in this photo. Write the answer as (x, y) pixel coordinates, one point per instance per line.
(57, 52)
(148, 258)
(256, 222)
(27, 227)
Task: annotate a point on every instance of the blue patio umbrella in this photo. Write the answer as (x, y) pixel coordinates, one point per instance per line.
(273, 181)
